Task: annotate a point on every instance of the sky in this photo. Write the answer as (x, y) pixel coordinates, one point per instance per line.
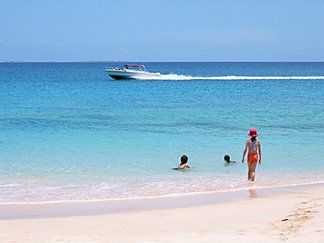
(161, 30)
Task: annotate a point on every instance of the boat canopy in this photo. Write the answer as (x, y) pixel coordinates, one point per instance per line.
(134, 65)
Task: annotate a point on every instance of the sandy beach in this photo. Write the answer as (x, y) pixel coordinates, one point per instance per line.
(291, 217)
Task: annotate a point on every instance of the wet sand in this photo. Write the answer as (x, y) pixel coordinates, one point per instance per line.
(291, 216)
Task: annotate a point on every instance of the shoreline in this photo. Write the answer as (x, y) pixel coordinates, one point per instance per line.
(295, 215)
(10, 211)
(185, 194)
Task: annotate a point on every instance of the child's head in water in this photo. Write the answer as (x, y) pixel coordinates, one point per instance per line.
(227, 158)
(183, 159)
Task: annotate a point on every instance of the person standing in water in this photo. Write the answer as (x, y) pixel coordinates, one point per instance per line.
(253, 146)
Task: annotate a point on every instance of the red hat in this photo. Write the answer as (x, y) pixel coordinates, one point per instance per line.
(253, 133)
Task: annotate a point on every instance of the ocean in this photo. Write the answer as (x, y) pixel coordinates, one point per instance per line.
(71, 133)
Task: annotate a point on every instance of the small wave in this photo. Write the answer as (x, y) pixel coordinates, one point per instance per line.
(244, 187)
(188, 77)
(10, 185)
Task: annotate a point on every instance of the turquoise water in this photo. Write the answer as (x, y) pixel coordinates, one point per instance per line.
(69, 132)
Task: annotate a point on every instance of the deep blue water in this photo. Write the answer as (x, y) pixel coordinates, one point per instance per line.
(68, 131)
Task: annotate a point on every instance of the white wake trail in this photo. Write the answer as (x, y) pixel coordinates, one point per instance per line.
(187, 77)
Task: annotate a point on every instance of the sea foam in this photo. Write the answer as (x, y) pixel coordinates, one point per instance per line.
(229, 77)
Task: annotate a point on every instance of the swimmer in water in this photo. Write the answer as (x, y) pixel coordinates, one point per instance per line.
(227, 160)
(183, 163)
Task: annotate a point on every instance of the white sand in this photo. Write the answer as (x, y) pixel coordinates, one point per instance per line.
(297, 217)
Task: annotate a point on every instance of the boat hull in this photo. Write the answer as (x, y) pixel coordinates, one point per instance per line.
(130, 74)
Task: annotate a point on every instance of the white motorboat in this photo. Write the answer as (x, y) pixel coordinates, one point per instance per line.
(131, 71)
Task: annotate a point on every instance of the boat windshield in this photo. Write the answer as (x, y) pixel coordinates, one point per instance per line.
(134, 67)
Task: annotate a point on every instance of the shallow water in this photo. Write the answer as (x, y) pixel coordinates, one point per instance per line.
(69, 132)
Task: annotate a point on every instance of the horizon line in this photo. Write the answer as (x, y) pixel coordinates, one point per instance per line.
(123, 61)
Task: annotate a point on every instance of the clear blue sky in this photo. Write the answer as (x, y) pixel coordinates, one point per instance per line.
(162, 30)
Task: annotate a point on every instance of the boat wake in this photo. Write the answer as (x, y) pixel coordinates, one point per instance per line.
(188, 77)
